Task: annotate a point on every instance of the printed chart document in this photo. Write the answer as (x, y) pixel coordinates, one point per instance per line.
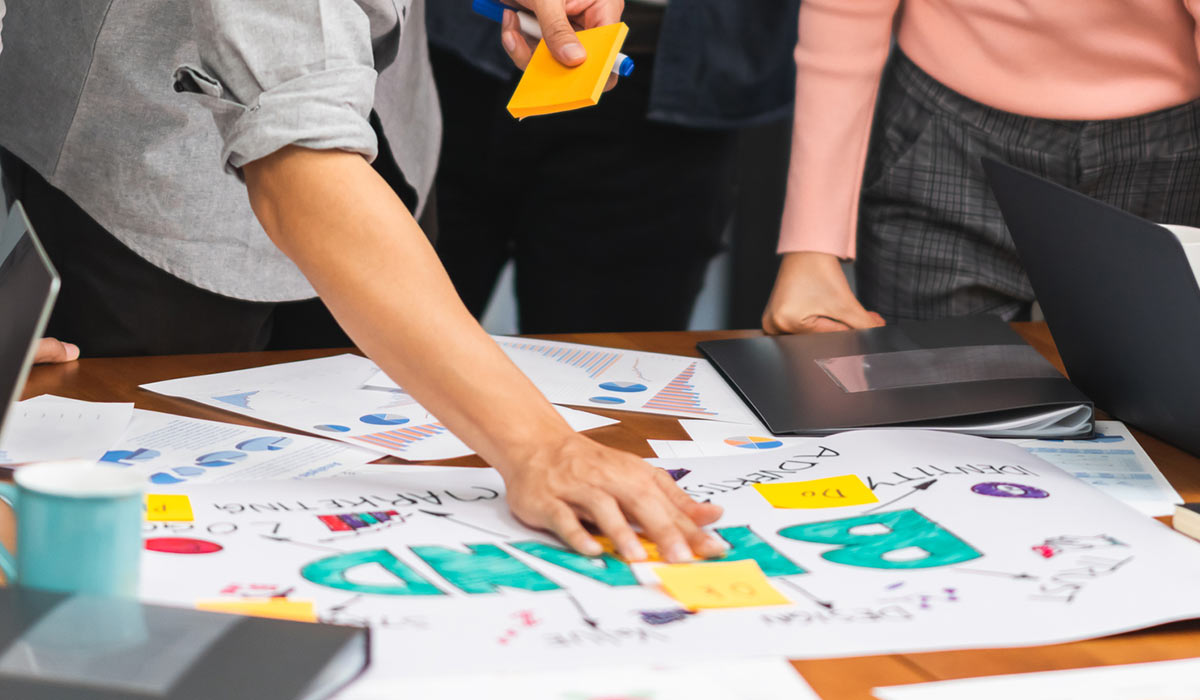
(328, 397)
(173, 450)
(740, 679)
(873, 542)
(50, 428)
(1113, 461)
(1164, 680)
(626, 380)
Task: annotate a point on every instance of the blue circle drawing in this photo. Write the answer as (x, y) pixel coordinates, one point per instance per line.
(220, 459)
(623, 387)
(383, 419)
(330, 428)
(126, 456)
(164, 478)
(610, 400)
(265, 444)
(188, 471)
(1003, 490)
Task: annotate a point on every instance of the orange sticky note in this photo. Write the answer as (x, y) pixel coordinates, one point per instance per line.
(651, 548)
(278, 608)
(165, 506)
(548, 86)
(833, 492)
(722, 584)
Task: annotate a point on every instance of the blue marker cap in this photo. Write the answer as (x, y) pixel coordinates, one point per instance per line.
(490, 8)
(625, 67)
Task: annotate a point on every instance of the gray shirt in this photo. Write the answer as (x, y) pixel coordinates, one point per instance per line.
(90, 101)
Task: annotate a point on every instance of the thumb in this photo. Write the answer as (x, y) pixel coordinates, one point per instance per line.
(856, 316)
(557, 32)
(50, 350)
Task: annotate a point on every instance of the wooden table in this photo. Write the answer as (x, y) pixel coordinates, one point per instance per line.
(118, 379)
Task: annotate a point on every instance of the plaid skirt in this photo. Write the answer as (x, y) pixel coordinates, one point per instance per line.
(931, 241)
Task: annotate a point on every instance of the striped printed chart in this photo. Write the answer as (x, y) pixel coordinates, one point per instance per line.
(401, 438)
(592, 361)
(356, 521)
(680, 395)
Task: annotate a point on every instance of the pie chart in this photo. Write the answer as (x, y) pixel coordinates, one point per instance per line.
(126, 456)
(164, 478)
(265, 444)
(188, 471)
(220, 459)
(384, 419)
(330, 428)
(623, 387)
(606, 400)
(753, 442)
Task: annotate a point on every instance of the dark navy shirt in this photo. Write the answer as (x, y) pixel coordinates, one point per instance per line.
(720, 63)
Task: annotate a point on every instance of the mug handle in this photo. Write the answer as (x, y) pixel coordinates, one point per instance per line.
(8, 563)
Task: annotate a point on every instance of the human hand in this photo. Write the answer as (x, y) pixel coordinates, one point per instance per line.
(582, 480)
(811, 295)
(51, 351)
(559, 20)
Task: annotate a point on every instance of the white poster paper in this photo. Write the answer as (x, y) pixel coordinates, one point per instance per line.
(327, 397)
(904, 541)
(51, 428)
(1164, 680)
(174, 450)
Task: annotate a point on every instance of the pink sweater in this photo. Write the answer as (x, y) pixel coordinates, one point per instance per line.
(1058, 59)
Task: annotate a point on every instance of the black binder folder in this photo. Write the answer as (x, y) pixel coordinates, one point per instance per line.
(970, 375)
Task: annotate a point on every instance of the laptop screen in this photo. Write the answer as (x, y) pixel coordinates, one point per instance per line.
(28, 286)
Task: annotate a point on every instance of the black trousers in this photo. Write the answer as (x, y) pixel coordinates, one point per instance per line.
(114, 303)
(611, 218)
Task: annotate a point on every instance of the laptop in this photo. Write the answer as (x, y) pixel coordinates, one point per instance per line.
(1119, 296)
(28, 287)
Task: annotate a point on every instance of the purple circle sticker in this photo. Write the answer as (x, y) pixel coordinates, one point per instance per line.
(1003, 490)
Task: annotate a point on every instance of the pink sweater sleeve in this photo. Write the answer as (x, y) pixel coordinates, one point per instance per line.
(840, 55)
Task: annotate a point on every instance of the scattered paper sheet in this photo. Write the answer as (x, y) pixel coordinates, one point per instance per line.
(172, 449)
(548, 87)
(737, 679)
(719, 584)
(966, 534)
(51, 428)
(1163, 680)
(328, 397)
(277, 608)
(1113, 462)
(169, 507)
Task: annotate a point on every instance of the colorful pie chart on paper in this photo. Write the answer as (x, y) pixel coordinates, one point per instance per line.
(753, 442)
(181, 545)
(623, 387)
(125, 456)
(331, 428)
(271, 443)
(383, 419)
(607, 400)
(220, 459)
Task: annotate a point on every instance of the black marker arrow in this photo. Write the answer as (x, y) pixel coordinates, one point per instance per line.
(587, 619)
(451, 518)
(1005, 574)
(342, 606)
(918, 487)
(797, 587)
(289, 540)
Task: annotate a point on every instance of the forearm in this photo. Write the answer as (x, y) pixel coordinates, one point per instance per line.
(371, 264)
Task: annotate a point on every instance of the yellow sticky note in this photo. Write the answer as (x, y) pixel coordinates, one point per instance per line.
(833, 492)
(721, 584)
(651, 548)
(548, 86)
(278, 608)
(164, 506)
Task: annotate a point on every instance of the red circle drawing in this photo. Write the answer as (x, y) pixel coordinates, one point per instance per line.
(182, 545)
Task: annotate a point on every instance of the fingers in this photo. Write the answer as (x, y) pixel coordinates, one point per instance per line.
(514, 41)
(677, 537)
(565, 523)
(51, 351)
(558, 34)
(700, 513)
(603, 510)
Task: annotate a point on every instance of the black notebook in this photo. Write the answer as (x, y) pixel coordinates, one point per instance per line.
(969, 375)
(58, 647)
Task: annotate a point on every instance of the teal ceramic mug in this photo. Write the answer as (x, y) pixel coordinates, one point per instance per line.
(78, 528)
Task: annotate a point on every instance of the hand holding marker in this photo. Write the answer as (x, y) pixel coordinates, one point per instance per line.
(494, 10)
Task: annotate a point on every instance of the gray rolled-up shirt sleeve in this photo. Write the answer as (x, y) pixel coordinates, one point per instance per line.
(277, 73)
